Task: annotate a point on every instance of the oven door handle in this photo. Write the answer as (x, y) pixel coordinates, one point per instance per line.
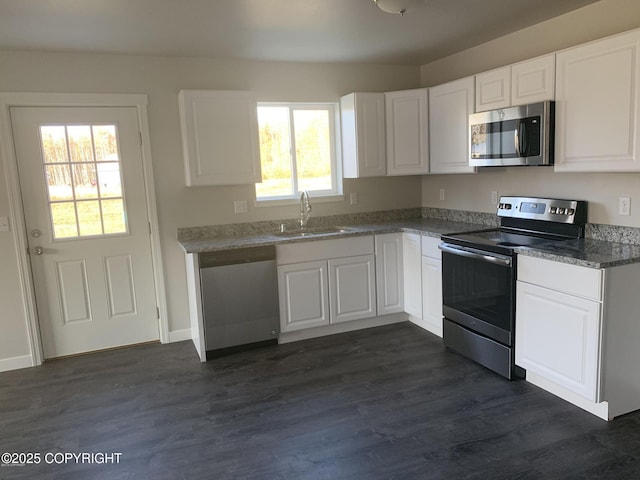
(476, 254)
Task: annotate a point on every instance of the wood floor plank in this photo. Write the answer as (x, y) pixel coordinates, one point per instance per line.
(383, 403)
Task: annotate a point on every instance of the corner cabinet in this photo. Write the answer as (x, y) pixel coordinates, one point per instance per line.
(363, 135)
(598, 107)
(412, 275)
(431, 285)
(389, 273)
(219, 137)
(407, 117)
(577, 331)
(450, 105)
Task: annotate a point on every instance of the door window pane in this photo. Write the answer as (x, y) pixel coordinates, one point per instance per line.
(80, 144)
(84, 180)
(54, 144)
(89, 218)
(59, 182)
(113, 216)
(106, 145)
(65, 224)
(82, 167)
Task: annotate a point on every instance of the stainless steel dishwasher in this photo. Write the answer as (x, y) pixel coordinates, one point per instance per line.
(239, 299)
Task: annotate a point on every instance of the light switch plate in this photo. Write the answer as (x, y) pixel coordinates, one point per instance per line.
(4, 224)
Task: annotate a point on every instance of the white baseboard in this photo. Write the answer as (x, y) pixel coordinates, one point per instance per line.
(180, 335)
(598, 409)
(15, 363)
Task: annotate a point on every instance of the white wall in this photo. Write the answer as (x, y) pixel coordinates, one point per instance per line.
(473, 192)
(161, 78)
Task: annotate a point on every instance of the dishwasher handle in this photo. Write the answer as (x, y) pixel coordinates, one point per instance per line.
(237, 256)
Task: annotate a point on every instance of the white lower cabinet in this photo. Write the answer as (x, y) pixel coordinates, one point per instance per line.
(326, 282)
(558, 336)
(389, 274)
(577, 333)
(431, 285)
(352, 288)
(304, 295)
(412, 274)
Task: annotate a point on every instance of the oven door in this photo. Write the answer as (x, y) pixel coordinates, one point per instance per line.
(478, 291)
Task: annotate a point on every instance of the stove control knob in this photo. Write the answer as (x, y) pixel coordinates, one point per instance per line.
(571, 211)
(553, 210)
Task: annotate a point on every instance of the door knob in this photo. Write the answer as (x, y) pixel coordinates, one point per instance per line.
(38, 250)
(36, 233)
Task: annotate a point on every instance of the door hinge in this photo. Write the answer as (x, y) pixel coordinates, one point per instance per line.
(158, 312)
(140, 133)
(150, 232)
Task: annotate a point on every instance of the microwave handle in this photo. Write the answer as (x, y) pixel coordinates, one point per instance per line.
(516, 139)
(522, 138)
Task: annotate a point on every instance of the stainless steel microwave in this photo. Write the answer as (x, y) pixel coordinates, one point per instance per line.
(512, 136)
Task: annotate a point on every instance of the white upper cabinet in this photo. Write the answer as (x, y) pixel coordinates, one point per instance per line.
(450, 105)
(407, 116)
(526, 82)
(493, 89)
(533, 81)
(219, 137)
(363, 135)
(597, 107)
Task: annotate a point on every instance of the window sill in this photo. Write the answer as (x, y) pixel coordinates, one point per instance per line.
(279, 202)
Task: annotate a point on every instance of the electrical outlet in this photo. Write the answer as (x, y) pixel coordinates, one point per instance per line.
(353, 198)
(494, 198)
(624, 206)
(441, 194)
(240, 206)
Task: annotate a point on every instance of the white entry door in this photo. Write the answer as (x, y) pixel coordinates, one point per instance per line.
(82, 184)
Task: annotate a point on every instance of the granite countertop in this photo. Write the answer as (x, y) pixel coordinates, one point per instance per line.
(585, 252)
(424, 226)
(601, 249)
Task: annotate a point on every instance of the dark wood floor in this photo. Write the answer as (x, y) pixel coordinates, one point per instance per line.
(383, 403)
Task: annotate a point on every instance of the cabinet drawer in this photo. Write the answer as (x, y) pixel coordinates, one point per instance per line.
(324, 249)
(430, 247)
(572, 279)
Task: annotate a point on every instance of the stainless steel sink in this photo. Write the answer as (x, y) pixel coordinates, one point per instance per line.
(309, 232)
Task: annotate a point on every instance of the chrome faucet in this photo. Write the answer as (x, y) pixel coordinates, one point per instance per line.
(305, 209)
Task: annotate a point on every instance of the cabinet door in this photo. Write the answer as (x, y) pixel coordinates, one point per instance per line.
(219, 137)
(533, 81)
(493, 89)
(407, 115)
(389, 276)
(363, 135)
(304, 295)
(597, 107)
(352, 291)
(558, 337)
(412, 275)
(432, 295)
(449, 108)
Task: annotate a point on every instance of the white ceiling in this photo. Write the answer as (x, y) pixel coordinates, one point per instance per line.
(273, 30)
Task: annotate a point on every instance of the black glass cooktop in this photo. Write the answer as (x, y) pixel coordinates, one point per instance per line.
(500, 238)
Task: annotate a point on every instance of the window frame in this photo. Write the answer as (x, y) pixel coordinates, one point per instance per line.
(336, 193)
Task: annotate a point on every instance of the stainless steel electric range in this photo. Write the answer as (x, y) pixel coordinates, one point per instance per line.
(479, 276)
